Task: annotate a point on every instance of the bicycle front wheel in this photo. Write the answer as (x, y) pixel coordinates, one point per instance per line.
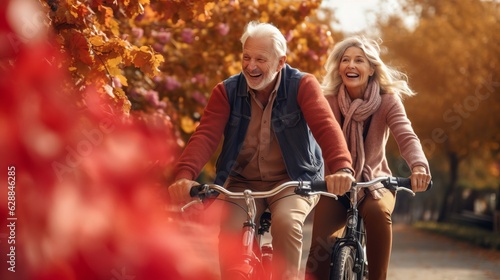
(343, 264)
(250, 269)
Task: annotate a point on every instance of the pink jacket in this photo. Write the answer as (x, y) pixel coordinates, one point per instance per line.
(390, 117)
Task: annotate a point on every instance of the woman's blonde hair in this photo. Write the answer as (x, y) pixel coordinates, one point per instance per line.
(390, 80)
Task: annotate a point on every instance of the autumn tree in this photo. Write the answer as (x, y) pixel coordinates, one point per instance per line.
(453, 60)
(79, 181)
(159, 60)
(92, 92)
(152, 55)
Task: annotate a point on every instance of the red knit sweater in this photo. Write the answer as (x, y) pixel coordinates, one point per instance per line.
(315, 108)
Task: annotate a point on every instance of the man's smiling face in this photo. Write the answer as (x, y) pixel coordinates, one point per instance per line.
(260, 63)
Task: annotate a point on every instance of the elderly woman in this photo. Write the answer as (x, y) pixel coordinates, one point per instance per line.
(365, 96)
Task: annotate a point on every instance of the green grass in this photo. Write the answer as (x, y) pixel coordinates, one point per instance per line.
(476, 236)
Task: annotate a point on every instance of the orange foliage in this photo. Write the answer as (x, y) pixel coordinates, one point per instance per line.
(162, 58)
(167, 55)
(89, 111)
(84, 200)
(452, 58)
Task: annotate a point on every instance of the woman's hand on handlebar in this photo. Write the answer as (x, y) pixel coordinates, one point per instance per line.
(339, 183)
(419, 179)
(179, 191)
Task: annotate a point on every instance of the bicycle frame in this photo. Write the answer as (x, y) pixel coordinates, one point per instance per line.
(249, 225)
(250, 256)
(353, 236)
(351, 245)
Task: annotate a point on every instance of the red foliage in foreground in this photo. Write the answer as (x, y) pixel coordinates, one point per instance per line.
(85, 191)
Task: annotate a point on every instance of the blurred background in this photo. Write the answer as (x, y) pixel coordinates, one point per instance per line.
(98, 98)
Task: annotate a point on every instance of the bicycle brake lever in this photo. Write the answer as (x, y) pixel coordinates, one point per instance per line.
(314, 188)
(189, 204)
(327, 194)
(308, 192)
(406, 190)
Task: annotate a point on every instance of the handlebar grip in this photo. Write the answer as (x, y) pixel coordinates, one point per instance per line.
(195, 190)
(406, 182)
(429, 187)
(203, 191)
(318, 186)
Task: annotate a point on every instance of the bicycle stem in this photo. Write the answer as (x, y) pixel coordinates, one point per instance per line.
(250, 202)
(249, 225)
(354, 196)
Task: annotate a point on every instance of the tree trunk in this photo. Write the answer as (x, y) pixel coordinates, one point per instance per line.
(496, 213)
(447, 204)
(497, 208)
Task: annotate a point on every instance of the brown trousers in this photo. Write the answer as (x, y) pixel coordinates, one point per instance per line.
(329, 223)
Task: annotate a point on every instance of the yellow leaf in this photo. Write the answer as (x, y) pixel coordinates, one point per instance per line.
(96, 41)
(142, 57)
(113, 65)
(187, 124)
(123, 79)
(107, 14)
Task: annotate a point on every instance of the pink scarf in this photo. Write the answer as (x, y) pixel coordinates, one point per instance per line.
(355, 113)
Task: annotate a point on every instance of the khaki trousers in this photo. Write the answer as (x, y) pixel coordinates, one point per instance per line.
(288, 211)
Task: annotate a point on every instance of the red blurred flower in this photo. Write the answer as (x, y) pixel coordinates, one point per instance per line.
(223, 29)
(90, 197)
(187, 35)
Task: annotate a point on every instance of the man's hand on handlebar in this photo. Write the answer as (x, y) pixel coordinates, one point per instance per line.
(340, 182)
(179, 191)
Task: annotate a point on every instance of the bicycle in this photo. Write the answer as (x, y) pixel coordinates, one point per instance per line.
(257, 256)
(348, 257)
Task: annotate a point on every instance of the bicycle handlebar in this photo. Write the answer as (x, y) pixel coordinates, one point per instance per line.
(305, 188)
(204, 191)
(211, 190)
(391, 183)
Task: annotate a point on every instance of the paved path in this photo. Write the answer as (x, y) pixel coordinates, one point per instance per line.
(420, 255)
(417, 255)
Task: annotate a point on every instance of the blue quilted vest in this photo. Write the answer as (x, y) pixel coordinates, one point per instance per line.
(301, 152)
